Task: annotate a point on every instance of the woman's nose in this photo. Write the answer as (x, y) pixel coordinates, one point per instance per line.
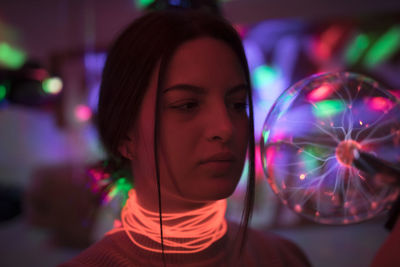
(220, 126)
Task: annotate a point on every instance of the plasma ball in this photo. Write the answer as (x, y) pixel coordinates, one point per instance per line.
(311, 137)
(344, 152)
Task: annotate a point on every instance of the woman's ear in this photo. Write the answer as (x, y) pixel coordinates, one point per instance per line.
(127, 148)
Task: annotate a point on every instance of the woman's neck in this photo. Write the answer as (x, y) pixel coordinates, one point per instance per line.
(183, 232)
(147, 198)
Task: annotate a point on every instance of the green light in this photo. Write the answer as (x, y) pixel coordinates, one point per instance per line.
(328, 108)
(11, 57)
(384, 47)
(265, 135)
(3, 92)
(123, 186)
(113, 192)
(52, 85)
(143, 3)
(263, 76)
(309, 157)
(356, 48)
(285, 101)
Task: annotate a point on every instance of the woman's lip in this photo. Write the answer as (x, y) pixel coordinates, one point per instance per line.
(219, 158)
(217, 168)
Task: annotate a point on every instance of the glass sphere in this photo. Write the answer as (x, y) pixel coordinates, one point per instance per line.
(308, 140)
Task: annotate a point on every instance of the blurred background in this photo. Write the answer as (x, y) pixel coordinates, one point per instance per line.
(53, 200)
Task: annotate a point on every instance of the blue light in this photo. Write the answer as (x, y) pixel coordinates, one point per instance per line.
(175, 2)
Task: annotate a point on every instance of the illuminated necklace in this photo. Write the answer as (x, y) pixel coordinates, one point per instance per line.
(195, 231)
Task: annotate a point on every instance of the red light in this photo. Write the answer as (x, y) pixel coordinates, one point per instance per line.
(320, 93)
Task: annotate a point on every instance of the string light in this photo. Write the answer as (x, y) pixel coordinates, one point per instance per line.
(185, 232)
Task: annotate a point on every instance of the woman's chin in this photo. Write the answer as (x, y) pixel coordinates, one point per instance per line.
(213, 192)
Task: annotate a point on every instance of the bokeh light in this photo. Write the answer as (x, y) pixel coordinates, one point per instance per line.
(384, 47)
(141, 4)
(83, 113)
(11, 57)
(3, 92)
(263, 76)
(356, 48)
(52, 85)
(308, 141)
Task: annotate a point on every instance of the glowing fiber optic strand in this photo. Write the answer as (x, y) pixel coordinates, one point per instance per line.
(308, 142)
(185, 232)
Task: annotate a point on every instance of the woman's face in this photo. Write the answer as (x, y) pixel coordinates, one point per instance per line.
(203, 125)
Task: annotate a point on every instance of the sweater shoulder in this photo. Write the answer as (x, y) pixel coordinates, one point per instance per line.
(278, 251)
(106, 252)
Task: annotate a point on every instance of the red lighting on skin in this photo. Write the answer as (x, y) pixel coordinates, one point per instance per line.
(320, 93)
(83, 113)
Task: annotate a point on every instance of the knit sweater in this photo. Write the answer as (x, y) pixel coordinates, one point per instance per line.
(262, 249)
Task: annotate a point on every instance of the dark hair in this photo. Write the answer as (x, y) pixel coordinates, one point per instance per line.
(151, 39)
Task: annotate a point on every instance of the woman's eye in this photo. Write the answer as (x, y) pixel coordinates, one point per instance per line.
(240, 106)
(187, 106)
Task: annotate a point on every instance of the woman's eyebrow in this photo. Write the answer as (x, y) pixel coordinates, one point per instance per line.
(186, 87)
(238, 88)
(200, 90)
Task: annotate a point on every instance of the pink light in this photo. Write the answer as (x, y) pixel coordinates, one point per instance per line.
(240, 29)
(380, 103)
(396, 93)
(83, 113)
(259, 169)
(117, 223)
(279, 136)
(320, 93)
(270, 155)
(298, 208)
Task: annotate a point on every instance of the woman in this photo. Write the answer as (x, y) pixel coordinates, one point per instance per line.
(175, 106)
